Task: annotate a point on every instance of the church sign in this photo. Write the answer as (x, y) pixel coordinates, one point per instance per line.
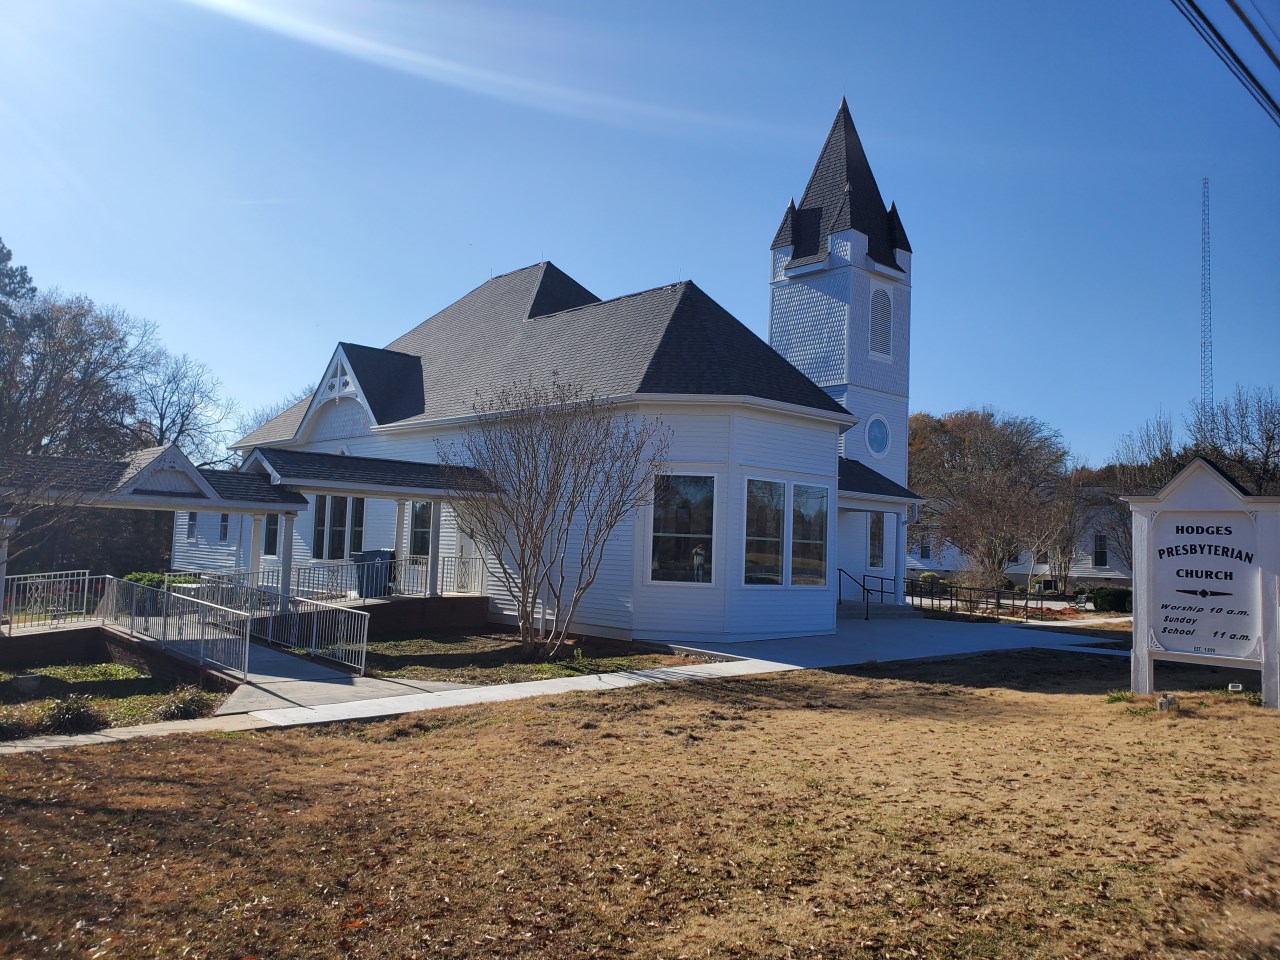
(1206, 565)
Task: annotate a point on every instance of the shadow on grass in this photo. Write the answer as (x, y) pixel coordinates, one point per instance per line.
(1050, 672)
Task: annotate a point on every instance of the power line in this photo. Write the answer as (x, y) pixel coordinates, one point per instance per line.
(1218, 44)
(1262, 42)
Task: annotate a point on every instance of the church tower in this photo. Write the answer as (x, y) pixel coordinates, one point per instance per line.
(840, 298)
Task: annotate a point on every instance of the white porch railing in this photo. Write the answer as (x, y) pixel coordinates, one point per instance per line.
(36, 599)
(340, 580)
(205, 633)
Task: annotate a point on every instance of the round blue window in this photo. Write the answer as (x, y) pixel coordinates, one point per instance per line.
(877, 436)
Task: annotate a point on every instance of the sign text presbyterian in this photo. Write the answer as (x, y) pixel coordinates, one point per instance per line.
(1207, 584)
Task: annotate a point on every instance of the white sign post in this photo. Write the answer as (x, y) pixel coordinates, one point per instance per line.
(1206, 578)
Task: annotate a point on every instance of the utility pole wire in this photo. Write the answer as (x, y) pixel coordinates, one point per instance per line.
(1218, 44)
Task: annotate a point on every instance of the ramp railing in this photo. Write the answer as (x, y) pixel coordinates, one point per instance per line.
(196, 630)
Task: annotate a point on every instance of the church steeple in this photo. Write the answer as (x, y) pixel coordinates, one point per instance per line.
(842, 194)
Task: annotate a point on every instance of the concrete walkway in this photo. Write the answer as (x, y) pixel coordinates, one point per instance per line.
(295, 690)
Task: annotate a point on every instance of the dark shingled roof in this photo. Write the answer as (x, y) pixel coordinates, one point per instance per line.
(382, 375)
(842, 195)
(299, 468)
(251, 487)
(673, 339)
(281, 427)
(80, 474)
(857, 477)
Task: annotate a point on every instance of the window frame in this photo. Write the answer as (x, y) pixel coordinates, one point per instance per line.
(784, 558)
(716, 548)
(1104, 552)
(888, 433)
(224, 527)
(193, 521)
(871, 514)
(271, 531)
(826, 539)
(414, 529)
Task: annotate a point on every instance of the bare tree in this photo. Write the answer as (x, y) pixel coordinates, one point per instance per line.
(991, 480)
(178, 400)
(1241, 433)
(250, 420)
(67, 368)
(561, 470)
(1144, 461)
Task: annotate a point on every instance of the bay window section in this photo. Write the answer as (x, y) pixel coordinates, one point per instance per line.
(683, 527)
(808, 535)
(766, 500)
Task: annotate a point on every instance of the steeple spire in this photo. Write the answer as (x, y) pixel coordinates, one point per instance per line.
(842, 194)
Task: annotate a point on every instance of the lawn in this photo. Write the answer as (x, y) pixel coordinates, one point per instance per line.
(103, 694)
(484, 658)
(986, 807)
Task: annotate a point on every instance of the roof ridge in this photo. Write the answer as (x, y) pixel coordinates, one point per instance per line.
(617, 299)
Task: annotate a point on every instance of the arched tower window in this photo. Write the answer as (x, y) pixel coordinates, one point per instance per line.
(881, 324)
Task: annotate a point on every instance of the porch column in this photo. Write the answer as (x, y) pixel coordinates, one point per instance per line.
(433, 564)
(286, 555)
(900, 560)
(399, 546)
(7, 526)
(255, 549)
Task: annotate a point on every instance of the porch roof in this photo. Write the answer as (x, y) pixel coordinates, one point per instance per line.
(159, 478)
(328, 472)
(857, 479)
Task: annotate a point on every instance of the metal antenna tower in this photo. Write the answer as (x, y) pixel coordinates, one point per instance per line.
(1206, 306)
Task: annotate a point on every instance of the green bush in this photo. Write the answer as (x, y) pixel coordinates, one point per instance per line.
(185, 703)
(76, 714)
(1113, 599)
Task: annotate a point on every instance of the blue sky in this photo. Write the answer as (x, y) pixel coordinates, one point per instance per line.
(265, 179)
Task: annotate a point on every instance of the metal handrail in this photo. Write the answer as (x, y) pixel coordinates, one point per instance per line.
(866, 594)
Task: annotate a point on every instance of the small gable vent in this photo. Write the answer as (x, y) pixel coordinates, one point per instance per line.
(881, 324)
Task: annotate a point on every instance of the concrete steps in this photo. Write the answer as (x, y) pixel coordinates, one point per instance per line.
(879, 611)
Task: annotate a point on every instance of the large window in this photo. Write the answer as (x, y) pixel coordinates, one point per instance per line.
(420, 529)
(766, 514)
(330, 532)
(809, 535)
(875, 541)
(271, 536)
(1099, 549)
(683, 523)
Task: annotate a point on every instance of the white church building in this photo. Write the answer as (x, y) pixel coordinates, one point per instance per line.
(785, 483)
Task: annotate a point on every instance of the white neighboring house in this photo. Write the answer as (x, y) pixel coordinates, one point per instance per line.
(1095, 562)
(758, 511)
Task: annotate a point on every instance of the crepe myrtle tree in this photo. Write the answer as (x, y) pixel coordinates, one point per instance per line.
(561, 469)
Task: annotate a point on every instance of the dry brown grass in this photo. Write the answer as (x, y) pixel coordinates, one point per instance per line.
(948, 810)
